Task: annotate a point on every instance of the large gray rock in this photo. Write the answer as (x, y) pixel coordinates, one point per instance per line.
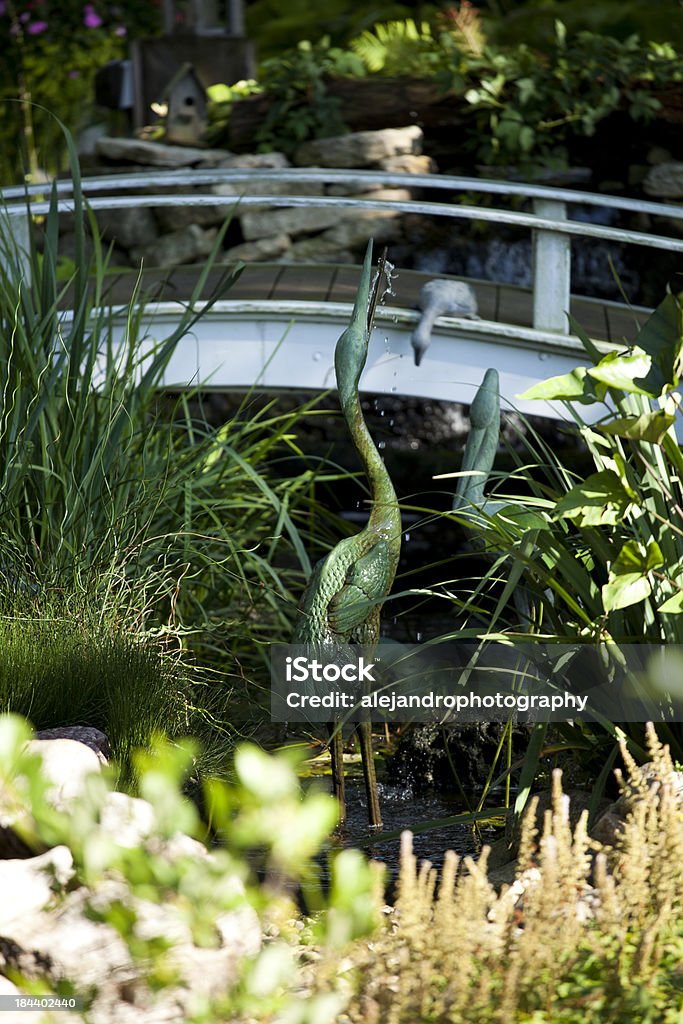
(186, 246)
(177, 218)
(261, 161)
(88, 734)
(610, 824)
(128, 227)
(317, 249)
(27, 886)
(66, 944)
(351, 232)
(408, 163)
(665, 181)
(307, 220)
(157, 154)
(360, 149)
(268, 188)
(301, 220)
(270, 248)
(66, 766)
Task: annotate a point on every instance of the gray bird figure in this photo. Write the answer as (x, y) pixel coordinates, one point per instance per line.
(441, 298)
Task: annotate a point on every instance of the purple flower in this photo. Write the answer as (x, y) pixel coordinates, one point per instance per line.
(91, 18)
(3, 8)
(120, 30)
(36, 27)
(24, 17)
(74, 74)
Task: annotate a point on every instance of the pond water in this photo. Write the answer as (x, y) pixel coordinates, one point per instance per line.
(402, 809)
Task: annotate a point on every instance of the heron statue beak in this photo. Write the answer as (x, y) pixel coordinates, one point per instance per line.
(375, 291)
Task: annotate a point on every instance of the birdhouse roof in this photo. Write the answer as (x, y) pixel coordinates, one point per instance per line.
(186, 70)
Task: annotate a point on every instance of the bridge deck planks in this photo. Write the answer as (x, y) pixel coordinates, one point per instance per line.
(329, 283)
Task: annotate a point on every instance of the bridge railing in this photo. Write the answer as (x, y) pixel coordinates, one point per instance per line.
(549, 220)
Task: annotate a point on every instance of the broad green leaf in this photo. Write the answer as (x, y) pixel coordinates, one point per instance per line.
(573, 386)
(673, 605)
(267, 777)
(661, 337)
(633, 557)
(522, 518)
(628, 579)
(600, 500)
(618, 466)
(652, 427)
(619, 371)
(219, 93)
(625, 589)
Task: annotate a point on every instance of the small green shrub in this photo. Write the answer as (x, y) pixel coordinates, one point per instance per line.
(302, 106)
(261, 821)
(520, 106)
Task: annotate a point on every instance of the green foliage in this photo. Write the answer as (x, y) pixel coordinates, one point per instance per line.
(626, 513)
(554, 946)
(396, 48)
(277, 25)
(533, 21)
(220, 103)
(49, 53)
(59, 660)
(602, 563)
(302, 108)
(529, 106)
(523, 107)
(261, 820)
(163, 522)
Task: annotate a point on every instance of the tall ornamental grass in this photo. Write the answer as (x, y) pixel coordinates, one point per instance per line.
(163, 524)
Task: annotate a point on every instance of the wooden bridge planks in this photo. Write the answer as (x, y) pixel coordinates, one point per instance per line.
(330, 283)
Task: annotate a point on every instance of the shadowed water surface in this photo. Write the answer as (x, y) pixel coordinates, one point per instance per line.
(403, 809)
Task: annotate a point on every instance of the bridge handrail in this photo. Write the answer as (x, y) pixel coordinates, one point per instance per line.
(551, 229)
(498, 216)
(444, 182)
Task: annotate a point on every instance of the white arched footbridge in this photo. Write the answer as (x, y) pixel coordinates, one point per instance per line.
(278, 327)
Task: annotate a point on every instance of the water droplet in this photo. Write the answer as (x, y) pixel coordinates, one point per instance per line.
(382, 411)
(394, 388)
(407, 537)
(381, 445)
(317, 356)
(418, 637)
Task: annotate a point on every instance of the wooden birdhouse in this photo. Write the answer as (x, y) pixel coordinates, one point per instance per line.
(206, 36)
(184, 104)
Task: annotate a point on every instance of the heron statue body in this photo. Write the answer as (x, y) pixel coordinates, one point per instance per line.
(342, 601)
(481, 445)
(441, 298)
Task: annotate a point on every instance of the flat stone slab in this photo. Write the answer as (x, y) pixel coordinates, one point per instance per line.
(158, 154)
(360, 149)
(665, 181)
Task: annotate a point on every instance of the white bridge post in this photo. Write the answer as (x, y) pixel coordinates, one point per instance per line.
(551, 270)
(17, 244)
